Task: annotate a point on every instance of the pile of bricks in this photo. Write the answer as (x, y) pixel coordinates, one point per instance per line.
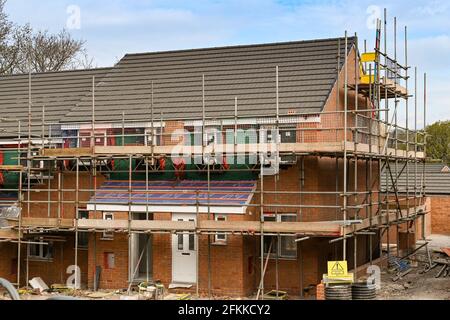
(320, 291)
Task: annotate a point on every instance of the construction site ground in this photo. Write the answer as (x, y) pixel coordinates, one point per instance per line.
(416, 285)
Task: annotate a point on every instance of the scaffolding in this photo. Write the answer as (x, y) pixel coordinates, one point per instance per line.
(362, 138)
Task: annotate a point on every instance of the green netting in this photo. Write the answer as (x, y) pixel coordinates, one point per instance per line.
(168, 174)
(11, 178)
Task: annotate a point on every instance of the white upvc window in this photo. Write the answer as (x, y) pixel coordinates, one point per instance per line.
(283, 247)
(220, 238)
(83, 237)
(40, 250)
(108, 235)
(157, 136)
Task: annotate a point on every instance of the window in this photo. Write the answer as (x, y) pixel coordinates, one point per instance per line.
(284, 247)
(40, 250)
(288, 246)
(212, 135)
(157, 136)
(220, 238)
(83, 237)
(191, 239)
(107, 235)
(268, 240)
(85, 138)
(180, 239)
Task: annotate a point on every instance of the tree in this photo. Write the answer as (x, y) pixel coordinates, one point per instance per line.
(23, 50)
(438, 141)
(12, 39)
(51, 52)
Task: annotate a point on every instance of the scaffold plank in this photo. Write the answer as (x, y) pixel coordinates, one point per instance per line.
(318, 228)
(67, 152)
(9, 234)
(11, 168)
(283, 148)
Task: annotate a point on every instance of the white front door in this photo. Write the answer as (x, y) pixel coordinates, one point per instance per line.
(184, 253)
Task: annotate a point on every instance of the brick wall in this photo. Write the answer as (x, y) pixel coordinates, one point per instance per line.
(111, 277)
(8, 261)
(312, 255)
(440, 214)
(162, 253)
(229, 263)
(330, 128)
(68, 182)
(231, 271)
(236, 266)
(170, 128)
(229, 267)
(54, 271)
(417, 231)
(319, 174)
(51, 271)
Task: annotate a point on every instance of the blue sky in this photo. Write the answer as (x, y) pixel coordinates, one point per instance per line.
(112, 28)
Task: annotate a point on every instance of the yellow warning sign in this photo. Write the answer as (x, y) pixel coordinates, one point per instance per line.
(337, 269)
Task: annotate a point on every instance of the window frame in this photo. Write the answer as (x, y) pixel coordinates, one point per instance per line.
(39, 243)
(107, 235)
(83, 235)
(280, 243)
(98, 134)
(217, 239)
(276, 253)
(157, 134)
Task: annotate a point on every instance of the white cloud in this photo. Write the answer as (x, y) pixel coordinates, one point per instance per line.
(147, 17)
(432, 8)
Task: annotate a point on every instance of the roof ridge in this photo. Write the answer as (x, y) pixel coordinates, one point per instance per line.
(54, 72)
(238, 46)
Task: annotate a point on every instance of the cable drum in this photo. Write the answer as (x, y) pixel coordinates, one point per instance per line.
(364, 291)
(341, 292)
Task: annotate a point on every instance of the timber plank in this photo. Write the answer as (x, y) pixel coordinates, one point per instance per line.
(67, 152)
(46, 222)
(11, 168)
(252, 148)
(9, 234)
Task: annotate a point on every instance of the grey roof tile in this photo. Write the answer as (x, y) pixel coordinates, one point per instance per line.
(59, 92)
(308, 71)
(436, 181)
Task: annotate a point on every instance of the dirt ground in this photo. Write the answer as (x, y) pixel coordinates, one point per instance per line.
(417, 286)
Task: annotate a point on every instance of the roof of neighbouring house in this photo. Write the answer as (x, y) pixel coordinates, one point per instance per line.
(57, 92)
(307, 74)
(436, 178)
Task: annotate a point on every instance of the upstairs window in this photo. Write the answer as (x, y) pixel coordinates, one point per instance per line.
(108, 235)
(220, 238)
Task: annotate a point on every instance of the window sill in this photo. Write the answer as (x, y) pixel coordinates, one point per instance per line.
(37, 259)
(219, 243)
(272, 257)
(106, 239)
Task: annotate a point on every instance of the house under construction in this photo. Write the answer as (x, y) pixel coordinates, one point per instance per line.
(224, 171)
